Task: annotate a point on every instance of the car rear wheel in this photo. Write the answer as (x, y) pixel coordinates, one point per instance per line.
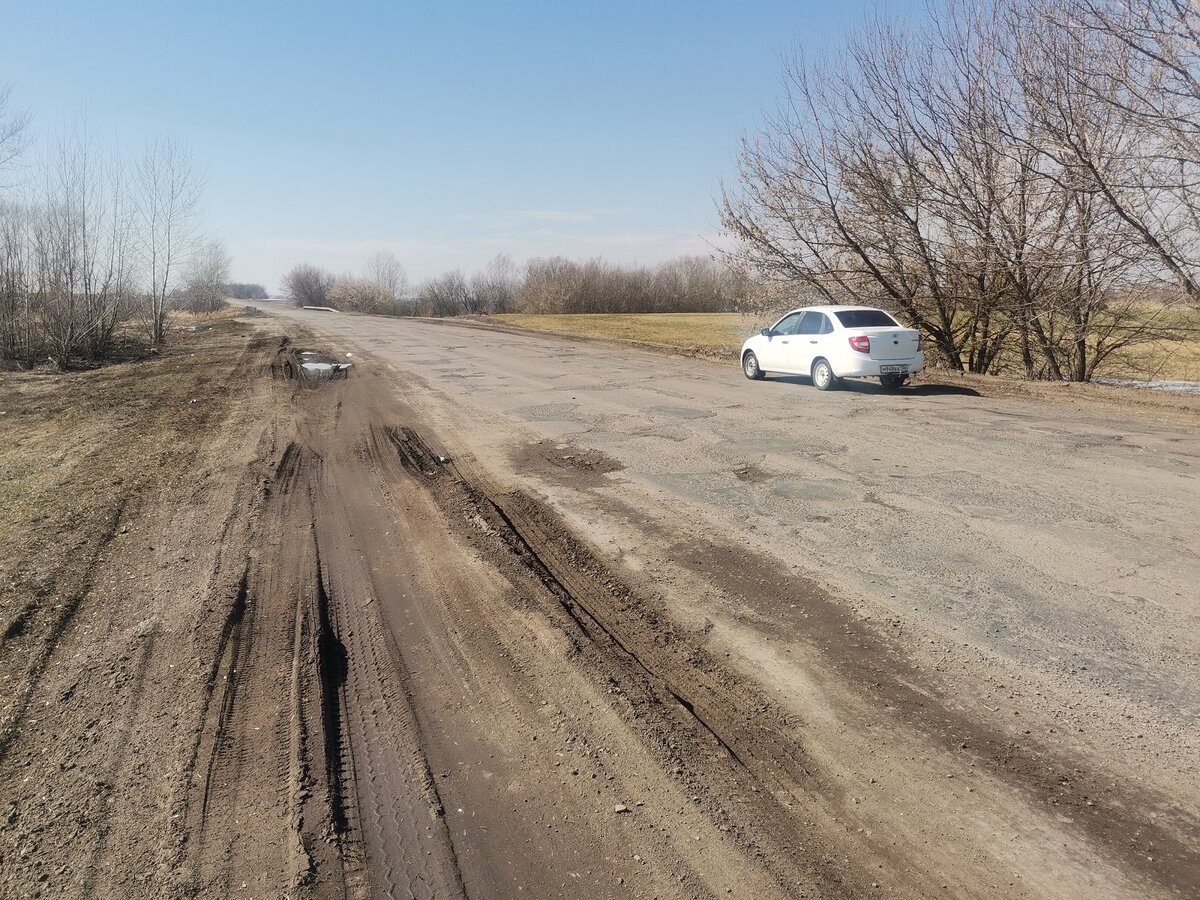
(751, 367)
(822, 376)
(892, 382)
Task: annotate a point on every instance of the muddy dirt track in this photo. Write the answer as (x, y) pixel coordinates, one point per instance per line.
(496, 615)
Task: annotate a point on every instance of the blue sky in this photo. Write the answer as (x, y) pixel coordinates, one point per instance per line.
(444, 132)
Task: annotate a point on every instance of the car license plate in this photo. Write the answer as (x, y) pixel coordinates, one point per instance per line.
(893, 370)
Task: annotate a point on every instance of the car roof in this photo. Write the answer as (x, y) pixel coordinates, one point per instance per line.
(832, 308)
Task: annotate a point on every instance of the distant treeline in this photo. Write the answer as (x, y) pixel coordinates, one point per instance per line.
(240, 291)
(553, 285)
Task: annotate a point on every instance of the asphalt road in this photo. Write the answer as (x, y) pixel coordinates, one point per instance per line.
(1035, 562)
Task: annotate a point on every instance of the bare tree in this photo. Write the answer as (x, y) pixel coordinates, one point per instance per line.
(308, 285)
(15, 265)
(446, 295)
(82, 248)
(686, 284)
(168, 197)
(206, 279)
(548, 283)
(495, 287)
(696, 284)
(388, 275)
(240, 290)
(362, 295)
(14, 125)
(836, 194)
(1142, 65)
(18, 339)
(381, 291)
(964, 173)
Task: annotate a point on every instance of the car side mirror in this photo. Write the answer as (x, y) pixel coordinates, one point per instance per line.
(766, 332)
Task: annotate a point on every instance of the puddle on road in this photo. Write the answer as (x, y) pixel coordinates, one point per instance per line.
(308, 365)
(323, 368)
(314, 364)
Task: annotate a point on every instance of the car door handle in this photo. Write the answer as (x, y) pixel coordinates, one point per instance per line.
(812, 342)
(783, 342)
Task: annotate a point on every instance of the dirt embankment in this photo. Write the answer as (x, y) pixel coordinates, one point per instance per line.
(121, 491)
(286, 642)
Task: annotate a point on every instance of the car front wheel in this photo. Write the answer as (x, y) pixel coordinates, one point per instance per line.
(751, 367)
(822, 376)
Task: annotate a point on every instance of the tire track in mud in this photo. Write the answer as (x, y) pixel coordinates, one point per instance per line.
(187, 772)
(282, 728)
(390, 805)
(245, 734)
(228, 661)
(308, 713)
(40, 657)
(512, 519)
(475, 681)
(142, 739)
(701, 696)
(332, 668)
(255, 754)
(693, 701)
(118, 763)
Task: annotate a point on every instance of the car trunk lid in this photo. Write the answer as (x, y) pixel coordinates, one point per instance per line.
(892, 343)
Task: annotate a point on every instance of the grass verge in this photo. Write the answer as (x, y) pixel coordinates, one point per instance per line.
(77, 449)
(707, 333)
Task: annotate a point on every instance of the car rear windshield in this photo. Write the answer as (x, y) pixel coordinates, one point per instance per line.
(865, 318)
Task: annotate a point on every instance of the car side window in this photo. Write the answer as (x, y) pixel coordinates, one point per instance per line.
(787, 325)
(826, 325)
(812, 323)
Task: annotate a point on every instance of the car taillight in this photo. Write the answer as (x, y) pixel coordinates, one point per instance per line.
(920, 341)
(861, 343)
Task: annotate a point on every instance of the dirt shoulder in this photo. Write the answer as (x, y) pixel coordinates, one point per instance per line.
(121, 487)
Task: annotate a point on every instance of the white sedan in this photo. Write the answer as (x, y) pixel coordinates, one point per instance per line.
(829, 343)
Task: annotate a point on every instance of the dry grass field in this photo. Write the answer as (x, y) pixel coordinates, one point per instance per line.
(1173, 357)
(709, 332)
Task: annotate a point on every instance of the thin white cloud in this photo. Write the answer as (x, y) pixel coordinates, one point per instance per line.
(556, 216)
(651, 246)
(353, 247)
